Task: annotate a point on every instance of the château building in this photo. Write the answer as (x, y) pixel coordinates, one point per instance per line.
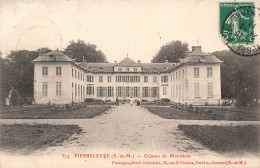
(193, 80)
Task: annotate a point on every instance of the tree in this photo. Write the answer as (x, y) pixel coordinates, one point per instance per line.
(238, 73)
(17, 71)
(80, 49)
(172, 52)
(245, 98)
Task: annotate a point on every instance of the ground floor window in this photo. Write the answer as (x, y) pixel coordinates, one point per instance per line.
(58, 88)
(196, 90)
(136, 91)
(146, 92)
(154, 92)
(75, 90)
(110, 91)
(210, 89)
(164, 90)
(90, 90)
(100, 92)
(44, 89)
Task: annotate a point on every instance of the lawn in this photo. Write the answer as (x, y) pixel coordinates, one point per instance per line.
(46, 113)
(232, 140)
(24, 138)
(233, 114)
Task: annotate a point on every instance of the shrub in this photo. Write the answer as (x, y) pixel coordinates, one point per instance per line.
(90, 100)
(245, 98)
(15, 98)
(166, 100)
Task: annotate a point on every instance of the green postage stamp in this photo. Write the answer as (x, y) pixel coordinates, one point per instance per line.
(237, 27)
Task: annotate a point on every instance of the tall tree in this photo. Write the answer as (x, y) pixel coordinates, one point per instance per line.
(80, 49)
(172, 52)
(238, 73)
(17, 71)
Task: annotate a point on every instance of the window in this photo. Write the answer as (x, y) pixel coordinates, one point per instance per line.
(154, 78)
(154, 92)
(210, 89)
(182, 73)
(196, 72)
(145, 91)
(44, 89)
(145, 78)
(100, 78)
(182, 91)
(164, 90)
(58, 71)
(90, 90)
(173, 91)
(135, 69)
(209, 72)
(109, 79)
(72, 72)
(89, 78)
(58, 88)
(127, 69)
(75, 74)
(100, 92)
(83, 77)
(196, 90)
(127, 78)
(164, 79)
(119, 69)
(45, 71)
(84, 91)
(75, 90)
(176, 76)
(127, 92)
(119, 91)
(179, 74)
(78, 90)
(78, 75)
(110, 91)
(179, 91)
(173, 76)
(136, 91)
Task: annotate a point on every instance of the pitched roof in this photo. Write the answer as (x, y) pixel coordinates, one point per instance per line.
(53, 56)
(197, 57)
(127, 62)
(109, 67)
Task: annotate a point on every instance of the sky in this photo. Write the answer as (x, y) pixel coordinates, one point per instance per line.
(118, 27)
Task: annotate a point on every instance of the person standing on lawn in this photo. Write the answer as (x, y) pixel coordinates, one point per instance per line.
(117, 102)
(138, 101)
(131, 101)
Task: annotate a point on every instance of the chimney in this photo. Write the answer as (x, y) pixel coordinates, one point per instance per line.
(196, 48)
(166, 61)
(115, 62)
(139, 61)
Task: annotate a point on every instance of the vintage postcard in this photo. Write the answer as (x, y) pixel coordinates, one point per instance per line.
(129, 83)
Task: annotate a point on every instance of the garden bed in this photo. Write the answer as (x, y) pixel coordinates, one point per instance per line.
(234, 140)
(24, 138)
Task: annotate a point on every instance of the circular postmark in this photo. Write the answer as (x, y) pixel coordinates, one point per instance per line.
(239, 29)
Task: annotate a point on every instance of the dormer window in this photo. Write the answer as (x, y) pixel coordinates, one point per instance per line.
(135, 69)
(127, 69)
(52, 57)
